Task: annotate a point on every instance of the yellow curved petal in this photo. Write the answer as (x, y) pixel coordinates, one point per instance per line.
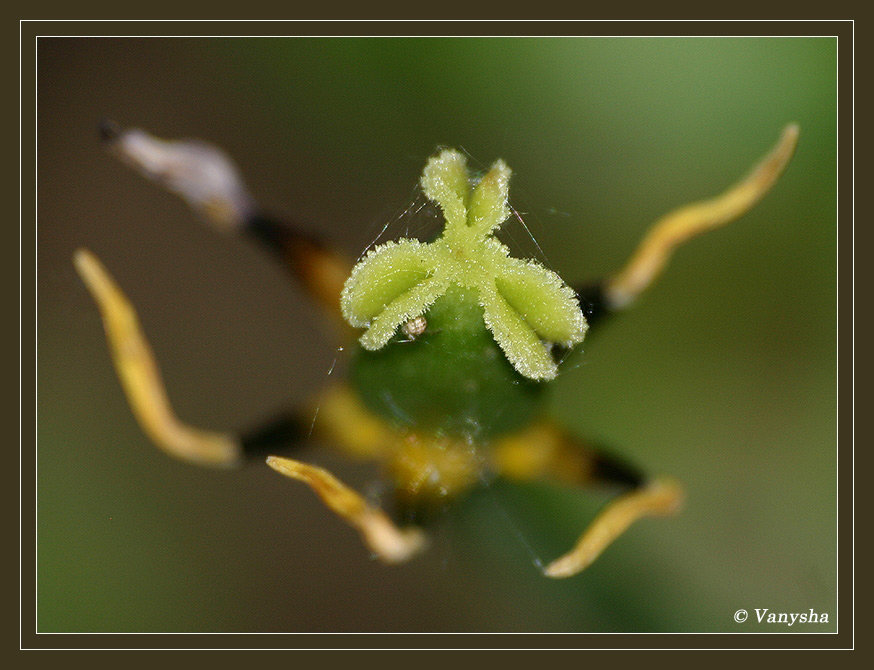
(139, 375)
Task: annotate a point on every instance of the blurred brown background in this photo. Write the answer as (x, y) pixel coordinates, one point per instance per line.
(723, 375)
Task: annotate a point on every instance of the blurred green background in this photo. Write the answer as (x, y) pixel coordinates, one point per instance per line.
(722, 376)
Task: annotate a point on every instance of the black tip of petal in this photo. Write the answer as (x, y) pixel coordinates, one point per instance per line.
(109, 130)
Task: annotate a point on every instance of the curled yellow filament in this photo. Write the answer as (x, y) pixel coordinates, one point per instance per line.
(676, 227)
(662, 497)
(141, 379)
(390, 543)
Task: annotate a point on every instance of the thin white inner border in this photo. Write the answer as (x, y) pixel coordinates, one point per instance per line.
(36, 313)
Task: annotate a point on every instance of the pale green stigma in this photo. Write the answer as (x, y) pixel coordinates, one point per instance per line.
(527, 307)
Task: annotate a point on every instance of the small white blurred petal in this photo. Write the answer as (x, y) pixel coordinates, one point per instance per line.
(202, 174)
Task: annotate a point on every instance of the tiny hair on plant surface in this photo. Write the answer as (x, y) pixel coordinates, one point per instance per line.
(453, 341)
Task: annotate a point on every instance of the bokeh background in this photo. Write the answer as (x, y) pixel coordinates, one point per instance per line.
(722, 376)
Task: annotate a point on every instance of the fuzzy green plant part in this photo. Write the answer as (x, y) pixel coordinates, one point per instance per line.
(527, 307)
(446, 388)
